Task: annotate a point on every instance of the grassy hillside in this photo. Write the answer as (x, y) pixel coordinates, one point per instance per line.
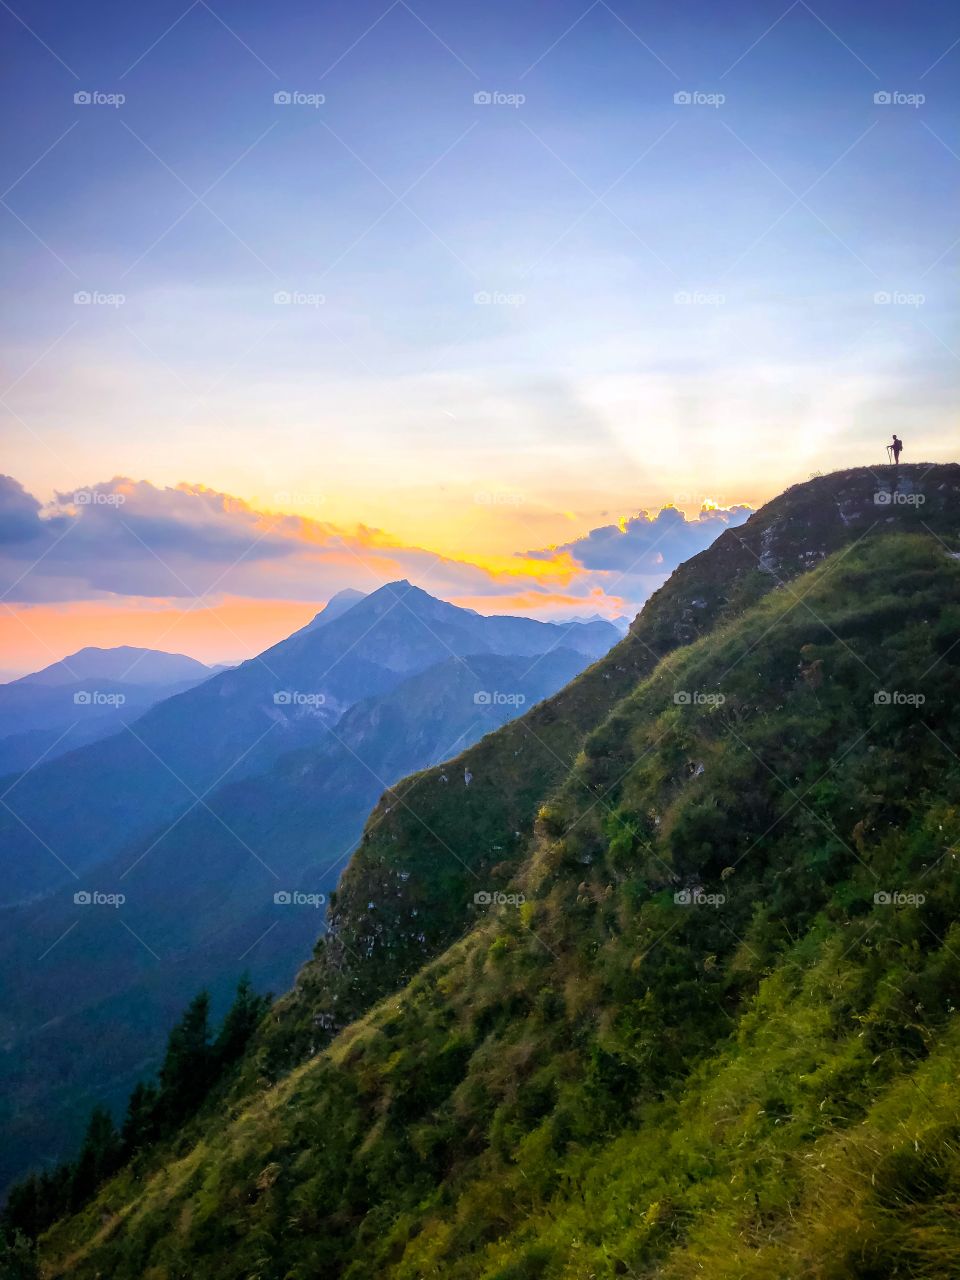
(432, 842)
(716, 1037)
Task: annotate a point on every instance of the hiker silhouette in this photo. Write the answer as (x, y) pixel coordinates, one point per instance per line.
(895, 448)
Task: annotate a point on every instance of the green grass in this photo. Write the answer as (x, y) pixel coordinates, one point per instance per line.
(608, 1083)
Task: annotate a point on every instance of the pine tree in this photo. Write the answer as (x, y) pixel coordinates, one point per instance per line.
(24, 1207)
(141, 1121)
(243, 1018)
(187, 1070)
(99, 1157)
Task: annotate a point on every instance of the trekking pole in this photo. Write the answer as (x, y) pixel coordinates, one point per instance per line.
(890, 455)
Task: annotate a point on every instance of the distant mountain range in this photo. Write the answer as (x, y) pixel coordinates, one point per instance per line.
(123, 664)
(86, 696)
(82, 808)
(253, 783)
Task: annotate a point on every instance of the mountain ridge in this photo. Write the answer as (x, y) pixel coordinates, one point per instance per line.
(793, 533)
(87, 804)
(689, 997)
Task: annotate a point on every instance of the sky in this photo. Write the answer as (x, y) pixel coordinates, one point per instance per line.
(492, 297)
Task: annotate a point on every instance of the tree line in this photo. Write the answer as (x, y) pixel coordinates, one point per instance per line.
(195, 1061)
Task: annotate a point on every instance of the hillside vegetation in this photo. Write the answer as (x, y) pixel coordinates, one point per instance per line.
(710, 1028)
(432, 842)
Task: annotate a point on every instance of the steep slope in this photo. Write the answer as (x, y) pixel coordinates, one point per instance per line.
(85, 807)
(423, 853)
(709, 1030)
(82, 1022)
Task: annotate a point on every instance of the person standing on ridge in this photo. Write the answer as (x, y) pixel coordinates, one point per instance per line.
(895, 448)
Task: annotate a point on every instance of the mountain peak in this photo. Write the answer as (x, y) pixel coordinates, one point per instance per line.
(122, 663)
(338, 604)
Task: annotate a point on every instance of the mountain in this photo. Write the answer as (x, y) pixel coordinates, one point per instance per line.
(695, 1019)
(620, 622)
(199, 891)
(80, 1027)
(84, 697)
(122, 664)
(336, 606)
(784, 539)
(87, 806)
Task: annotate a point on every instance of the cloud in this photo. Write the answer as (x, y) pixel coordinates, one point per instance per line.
(131, 539)
(643, 543)
(635, 556)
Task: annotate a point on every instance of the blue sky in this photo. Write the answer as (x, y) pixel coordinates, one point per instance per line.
(683, 295)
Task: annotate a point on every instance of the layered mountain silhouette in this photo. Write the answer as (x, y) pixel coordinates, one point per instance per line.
(657, 979)
(86, 696)
(199, 873)
(63, 816)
